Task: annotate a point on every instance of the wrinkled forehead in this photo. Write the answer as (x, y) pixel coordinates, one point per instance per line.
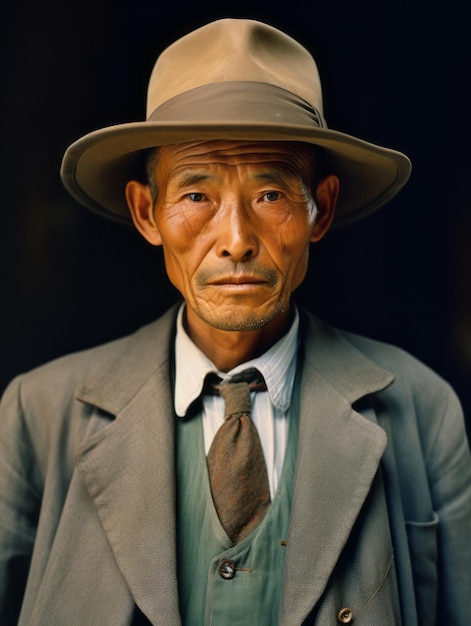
(295, 158)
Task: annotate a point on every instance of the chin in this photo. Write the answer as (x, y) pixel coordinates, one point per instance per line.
(239, 321)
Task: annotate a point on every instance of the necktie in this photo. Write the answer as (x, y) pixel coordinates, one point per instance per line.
(236, 464)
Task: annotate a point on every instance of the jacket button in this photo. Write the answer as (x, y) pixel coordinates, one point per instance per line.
(345, 616)
(227, 569)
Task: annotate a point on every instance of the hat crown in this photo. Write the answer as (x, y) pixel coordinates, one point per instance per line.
(234, 50)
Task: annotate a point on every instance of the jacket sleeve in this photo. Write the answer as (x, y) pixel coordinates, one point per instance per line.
(20, 499)
(449, 473)
(428, 467)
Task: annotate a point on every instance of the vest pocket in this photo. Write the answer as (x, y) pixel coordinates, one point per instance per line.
(422, 538)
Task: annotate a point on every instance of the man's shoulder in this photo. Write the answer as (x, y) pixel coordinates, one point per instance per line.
(415, 401)
(409, 372)
(399, 361)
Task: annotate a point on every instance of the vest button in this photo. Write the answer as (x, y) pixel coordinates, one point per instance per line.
(227, 569)
(345, 616)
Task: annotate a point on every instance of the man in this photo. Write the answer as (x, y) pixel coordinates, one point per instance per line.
(115, 506)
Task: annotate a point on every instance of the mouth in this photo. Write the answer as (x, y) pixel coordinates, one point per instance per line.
(238, 281)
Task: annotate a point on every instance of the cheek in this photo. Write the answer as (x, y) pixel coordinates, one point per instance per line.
(290, 228)
(177, 243)
(183, 255)
(291, 243)
(176, 232)
(183, 230)
(291, 255)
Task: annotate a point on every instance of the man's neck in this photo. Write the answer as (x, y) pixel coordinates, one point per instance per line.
(227, 349)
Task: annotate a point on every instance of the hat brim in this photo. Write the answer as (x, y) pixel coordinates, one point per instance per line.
(96, 168)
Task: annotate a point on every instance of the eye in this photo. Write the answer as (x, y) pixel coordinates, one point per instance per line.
(272, 196)
(196, 197)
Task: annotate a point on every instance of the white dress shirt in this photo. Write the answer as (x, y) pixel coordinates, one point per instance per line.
(269, 408)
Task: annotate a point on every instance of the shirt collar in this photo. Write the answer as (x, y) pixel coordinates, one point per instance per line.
(277, 365)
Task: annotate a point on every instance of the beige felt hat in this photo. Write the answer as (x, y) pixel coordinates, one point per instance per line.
(231, 79)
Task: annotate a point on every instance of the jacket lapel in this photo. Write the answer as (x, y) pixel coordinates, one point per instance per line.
(338, 456)
(128, 470)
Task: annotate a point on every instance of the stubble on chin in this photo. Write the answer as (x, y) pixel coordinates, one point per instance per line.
(237, 320)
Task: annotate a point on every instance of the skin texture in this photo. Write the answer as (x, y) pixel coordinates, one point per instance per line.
(235, 220)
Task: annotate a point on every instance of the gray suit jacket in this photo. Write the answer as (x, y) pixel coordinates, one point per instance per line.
(87, 489)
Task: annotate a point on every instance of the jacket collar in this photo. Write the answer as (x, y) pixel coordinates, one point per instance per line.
(344, 367)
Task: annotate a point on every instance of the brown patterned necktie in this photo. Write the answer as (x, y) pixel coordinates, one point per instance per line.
(236, 464)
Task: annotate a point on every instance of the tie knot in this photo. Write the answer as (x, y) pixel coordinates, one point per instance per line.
(236, 390)
(251, 376)
(236, 399)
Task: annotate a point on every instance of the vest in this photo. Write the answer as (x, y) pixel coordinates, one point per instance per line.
(219, 583)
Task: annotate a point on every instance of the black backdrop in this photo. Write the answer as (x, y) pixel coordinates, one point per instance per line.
(393, 73)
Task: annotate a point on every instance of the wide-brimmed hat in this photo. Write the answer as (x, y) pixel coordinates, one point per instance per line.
(231, 79)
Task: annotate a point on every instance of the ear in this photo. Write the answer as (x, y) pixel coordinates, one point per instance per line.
(327, 192)
(141, 206)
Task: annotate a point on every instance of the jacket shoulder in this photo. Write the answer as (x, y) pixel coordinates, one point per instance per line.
(419, 405)
(409, 372)
(413, 381)
(42, 409)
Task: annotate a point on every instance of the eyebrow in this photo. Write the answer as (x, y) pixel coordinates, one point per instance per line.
(271, 177)
(187, 179)
(276, 176)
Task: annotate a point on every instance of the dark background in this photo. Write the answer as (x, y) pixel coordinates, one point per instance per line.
(397, 74)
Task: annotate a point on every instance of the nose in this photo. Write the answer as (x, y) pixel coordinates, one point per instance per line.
(237, 232)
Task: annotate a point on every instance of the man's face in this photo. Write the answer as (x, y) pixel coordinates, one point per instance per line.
(235, 220)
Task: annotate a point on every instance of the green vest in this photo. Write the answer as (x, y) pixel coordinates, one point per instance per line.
(211, 591)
